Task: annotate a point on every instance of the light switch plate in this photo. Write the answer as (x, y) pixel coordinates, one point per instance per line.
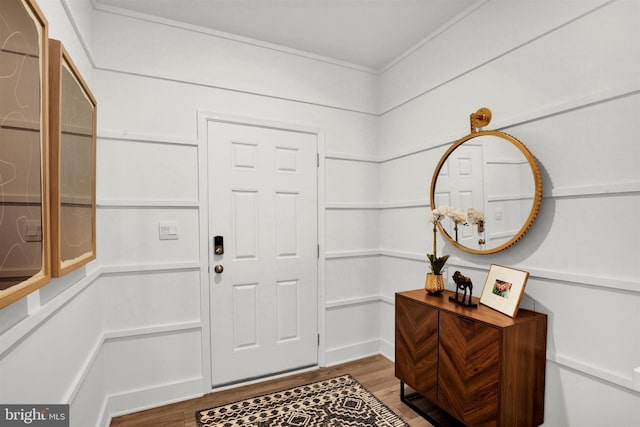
(168, 230)
(34, 231)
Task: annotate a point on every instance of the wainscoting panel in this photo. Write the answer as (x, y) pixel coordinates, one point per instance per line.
(589, 237)
(361, 186)
(351, 277)
(605, 147)
(137, 170)
(354, 330)
(415, 234)
(387, 326)
(402, 274)
(575, 399)
(53, 350)
(139, 400)
(150, 299)
(131, 236)
(583, 335)
(348, 230)
(89, 402)
(408, 178)
(151, 360)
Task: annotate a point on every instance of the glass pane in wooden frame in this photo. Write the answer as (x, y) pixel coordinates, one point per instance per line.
(73, 164)
(24, 182)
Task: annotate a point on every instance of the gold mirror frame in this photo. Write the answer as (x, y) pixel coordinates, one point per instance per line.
(24, 193)
(479, 119)
(73, 164)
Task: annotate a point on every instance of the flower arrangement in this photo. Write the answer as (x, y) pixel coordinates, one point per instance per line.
(459, 217)
(437, 263)
(474, 216)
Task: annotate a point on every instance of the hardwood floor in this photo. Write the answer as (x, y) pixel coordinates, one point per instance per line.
(375, 373)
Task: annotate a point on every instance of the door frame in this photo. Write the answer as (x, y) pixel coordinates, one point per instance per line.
(203, 119)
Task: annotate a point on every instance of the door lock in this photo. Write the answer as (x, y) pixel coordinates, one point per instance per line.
(218, 245)
(218, 268)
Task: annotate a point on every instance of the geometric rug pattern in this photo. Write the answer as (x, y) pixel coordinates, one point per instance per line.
(336, 402)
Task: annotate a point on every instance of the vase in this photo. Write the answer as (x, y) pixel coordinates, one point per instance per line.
(434, 283)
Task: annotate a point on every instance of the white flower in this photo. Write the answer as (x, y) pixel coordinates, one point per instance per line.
(475, 216)
(457, 215)
(438, 214)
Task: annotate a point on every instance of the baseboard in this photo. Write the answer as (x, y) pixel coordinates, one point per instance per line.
(139, 400)
(348, 353)
(387, 349)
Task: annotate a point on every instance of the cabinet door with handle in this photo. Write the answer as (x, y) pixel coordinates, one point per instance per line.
(469, 370)
(417, 346)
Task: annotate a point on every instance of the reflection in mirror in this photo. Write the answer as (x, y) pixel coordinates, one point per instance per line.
(73, 165)
(493, 178)
(23, 181)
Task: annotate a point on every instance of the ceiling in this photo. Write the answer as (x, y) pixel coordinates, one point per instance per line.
(369, 34)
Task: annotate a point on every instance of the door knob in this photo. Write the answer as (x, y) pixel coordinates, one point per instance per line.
(218, 268)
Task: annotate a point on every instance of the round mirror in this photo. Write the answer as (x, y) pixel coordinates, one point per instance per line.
(494, 179)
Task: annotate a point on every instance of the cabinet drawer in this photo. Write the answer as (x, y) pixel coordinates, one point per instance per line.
(469, 370)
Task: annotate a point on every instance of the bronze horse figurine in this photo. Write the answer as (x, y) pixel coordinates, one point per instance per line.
(463, 283)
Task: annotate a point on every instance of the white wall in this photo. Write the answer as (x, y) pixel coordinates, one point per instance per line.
(563, 77)
(138, 319)
(130, 330)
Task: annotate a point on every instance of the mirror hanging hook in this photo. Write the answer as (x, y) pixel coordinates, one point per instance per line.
(480, 119)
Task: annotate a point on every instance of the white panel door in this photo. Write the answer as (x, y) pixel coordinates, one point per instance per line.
(461, 185)
(263, 201)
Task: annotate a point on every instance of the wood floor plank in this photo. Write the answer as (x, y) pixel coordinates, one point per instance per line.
(375, 373)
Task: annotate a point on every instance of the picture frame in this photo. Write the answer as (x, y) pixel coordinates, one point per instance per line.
(503, 289)
(73, 112)
(25, 264)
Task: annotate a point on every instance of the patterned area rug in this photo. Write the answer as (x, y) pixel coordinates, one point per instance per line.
(336, 402)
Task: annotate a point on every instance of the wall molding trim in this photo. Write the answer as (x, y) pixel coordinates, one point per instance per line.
(575, 279)
(350, 302)
(139, 400)
(23, 329)
(352, 352)
(581, 191)
(228, 36)
(146, 204)
(378, 206)
(398, 104)
(145, 138)
(331, 255)
(358, 206)
(387, 349)
(236, 90)
(149, 268)
(596, 190)
(592, 371)
(116, 335)
(631, 88)
(363, 158)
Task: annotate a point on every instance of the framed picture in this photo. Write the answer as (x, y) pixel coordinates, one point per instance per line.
(503, 289)
(24, 155)
(73, 164)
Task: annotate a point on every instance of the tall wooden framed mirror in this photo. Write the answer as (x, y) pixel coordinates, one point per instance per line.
(492, 176)
(73, 164)
(24, 183)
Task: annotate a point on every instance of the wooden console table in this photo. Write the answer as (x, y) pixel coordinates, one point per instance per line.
(478, 365)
